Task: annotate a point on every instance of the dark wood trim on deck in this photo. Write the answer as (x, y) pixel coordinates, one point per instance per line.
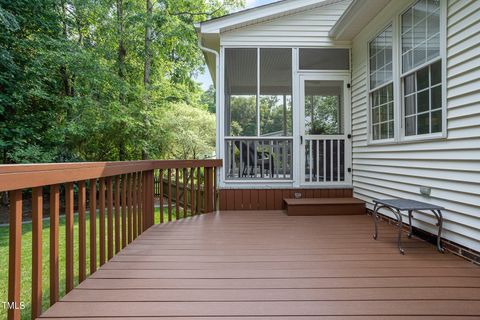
(272, 199)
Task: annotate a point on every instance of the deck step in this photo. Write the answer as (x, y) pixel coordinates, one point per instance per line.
(324, 206)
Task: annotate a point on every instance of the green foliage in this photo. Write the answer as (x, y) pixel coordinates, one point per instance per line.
(208, 99)
(243, 115)
(322, 112)
(65, 93)
(189, 132)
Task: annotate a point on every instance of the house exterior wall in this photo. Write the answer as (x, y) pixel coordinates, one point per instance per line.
(305, 29)
(451, 165)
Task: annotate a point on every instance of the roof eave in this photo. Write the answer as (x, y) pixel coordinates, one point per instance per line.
(243, 17)
(358, 14)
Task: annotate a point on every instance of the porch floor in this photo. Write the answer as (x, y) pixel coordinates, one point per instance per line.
(267, 265)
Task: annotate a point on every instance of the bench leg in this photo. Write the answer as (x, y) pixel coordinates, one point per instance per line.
(400, 224)
(410, 231)
(374, 216)
(398, 215)
(438, 215)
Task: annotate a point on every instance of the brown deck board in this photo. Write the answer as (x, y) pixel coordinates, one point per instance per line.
(266, 265)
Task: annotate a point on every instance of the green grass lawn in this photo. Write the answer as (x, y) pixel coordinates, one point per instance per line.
(26, 277)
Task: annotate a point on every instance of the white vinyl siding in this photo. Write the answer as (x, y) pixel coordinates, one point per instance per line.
(450, 166)
(305, 29)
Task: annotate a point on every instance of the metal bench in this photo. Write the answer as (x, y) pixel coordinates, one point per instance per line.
(398, 205)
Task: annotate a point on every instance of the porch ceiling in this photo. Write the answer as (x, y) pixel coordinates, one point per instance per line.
(237, 265)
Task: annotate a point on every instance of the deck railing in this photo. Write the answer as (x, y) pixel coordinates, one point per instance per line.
(119, 194)
(249, 158)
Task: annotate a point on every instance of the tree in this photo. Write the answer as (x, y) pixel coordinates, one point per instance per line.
(208, 99)
(93, 80)
(190, 131)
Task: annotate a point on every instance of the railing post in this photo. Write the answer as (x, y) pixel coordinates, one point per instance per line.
(54, 223)
(152, 199)
(82, 231)
(69, 241)
(37, 215)
(208, 189)
(93, 225)
(15, 251)
(149, 200)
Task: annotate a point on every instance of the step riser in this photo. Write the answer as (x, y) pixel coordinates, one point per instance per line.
(326, 209)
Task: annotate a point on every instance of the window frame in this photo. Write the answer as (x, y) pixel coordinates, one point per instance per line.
(370, 90)
(443, 58)
(398, 85)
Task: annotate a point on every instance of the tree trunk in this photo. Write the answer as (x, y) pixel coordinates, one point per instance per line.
(122, 52)
(148, 40)
(63, 69)
(148, 58)
(121, 46)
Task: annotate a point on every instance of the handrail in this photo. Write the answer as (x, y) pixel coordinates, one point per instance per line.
(21, 176)
(120, 195)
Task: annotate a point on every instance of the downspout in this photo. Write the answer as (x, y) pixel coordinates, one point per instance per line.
(218, 112)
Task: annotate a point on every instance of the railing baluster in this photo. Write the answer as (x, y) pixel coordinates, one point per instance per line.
(139, 203)
(184, 189)
(150, 205)
(192, 191)
(161, 195)
(117, 214)
(69, 223)
(169, 174)
(82, 248)
(144, 199)
(134, 203)
(199, 199)
(177, 195)
(215, 200)
(82, 242)
(129, 206)
(331, 160)
(37, 216)
(324, 160)
(206, 190)
(109, 218)
(93, 225)
(54, 222)
(101, 217)
(317, 160)
(338, 160)
(124, 211)
(15, 252)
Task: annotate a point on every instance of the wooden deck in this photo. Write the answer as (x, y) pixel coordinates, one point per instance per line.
(266, 265)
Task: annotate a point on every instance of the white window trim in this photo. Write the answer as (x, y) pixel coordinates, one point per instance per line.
(443, 56)
(370, 139)
(398, 102)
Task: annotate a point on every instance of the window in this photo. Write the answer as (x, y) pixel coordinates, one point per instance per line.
(423, 100)
(324, 59)
(420, 34)
(421, 67)
(381, 86)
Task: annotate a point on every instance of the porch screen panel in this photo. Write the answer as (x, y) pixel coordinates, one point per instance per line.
(275, 92)
(241, 92)
(324, 59)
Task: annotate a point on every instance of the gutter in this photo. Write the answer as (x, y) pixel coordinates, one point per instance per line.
(218, 112)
